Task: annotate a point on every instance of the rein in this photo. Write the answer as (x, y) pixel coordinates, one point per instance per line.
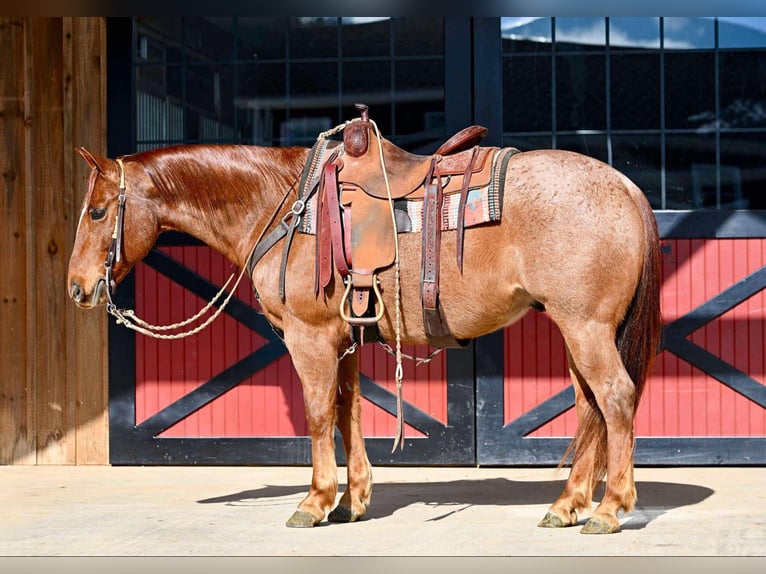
(128, 317)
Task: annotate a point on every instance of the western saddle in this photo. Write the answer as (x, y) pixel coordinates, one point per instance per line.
(354, 216)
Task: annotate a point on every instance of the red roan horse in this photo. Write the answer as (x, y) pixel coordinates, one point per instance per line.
(576, 236)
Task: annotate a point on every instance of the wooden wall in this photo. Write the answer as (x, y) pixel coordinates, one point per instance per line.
(53, 371)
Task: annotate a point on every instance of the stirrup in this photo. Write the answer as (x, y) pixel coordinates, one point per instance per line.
(362, 320)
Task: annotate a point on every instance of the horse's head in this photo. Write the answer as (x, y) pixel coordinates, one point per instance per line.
(111, 238)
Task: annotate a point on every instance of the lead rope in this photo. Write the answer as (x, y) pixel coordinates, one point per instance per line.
(399, 439)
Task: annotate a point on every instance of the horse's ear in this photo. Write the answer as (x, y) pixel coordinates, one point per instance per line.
(95, 162)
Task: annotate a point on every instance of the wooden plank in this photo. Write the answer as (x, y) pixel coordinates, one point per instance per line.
(87, 348)
(55, 404)
(17, 429)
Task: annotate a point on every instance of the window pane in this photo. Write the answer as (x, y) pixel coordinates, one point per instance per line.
(635, 91)
(313, 37)
(526, 94)
(575, 34)
(580, 93)
(526, 143)
(689, 33)
(743, 171)
(688, 158)
(690, 90)
(261, 38)
(419, 100)
(638, 157)
(634, 32)
(208, 39)
(526, 34)
(364, 37)
(158, 39)
(743, 32)
(418, 36)
(593, 145)
(743, 89)
(261, 100)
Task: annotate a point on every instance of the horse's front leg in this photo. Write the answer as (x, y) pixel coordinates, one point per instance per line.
(353, 504)
(314, 355)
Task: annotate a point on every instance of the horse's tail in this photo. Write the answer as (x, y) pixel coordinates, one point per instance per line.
(637, 339)
(638, 336)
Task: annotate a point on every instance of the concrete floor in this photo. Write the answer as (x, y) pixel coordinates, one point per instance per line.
(436, 512)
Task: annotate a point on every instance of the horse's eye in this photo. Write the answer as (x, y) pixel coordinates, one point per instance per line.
(97, 213)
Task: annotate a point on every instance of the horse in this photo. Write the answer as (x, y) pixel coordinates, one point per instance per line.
(577, 239)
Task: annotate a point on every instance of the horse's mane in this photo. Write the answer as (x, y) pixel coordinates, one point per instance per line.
(209, 177)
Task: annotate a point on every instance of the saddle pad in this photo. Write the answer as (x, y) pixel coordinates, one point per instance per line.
(483, 204)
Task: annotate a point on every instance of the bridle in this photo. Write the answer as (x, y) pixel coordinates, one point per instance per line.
(114, 253)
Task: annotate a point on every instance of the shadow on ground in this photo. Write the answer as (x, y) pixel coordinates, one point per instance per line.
(654, 498)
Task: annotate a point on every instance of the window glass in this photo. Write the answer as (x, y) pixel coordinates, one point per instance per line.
(635, 91)
(261, 38)
(634, 32)
(690, 90)
(418, 36)
(526, 34)
(364, 37)
(639, 157)
(743, 171)
(742, 32)
(580, 92)
(686, 33)
(527, 94)
(313, 37)
(593, 145)
(689, 158)
(575, 34)
(742, 85)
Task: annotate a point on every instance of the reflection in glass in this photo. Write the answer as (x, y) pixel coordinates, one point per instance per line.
(687, 158)
(527, 94)
(261, 38)
(634, 32)
(313, 37)
(635, 91)
(639, 157)
(742, 32)
(690, 90)
(683, 33)
(743, 89)
(580, 33)
(522, 34)
(593, 145)
(743, 171)
(580, 92)
(363, 37)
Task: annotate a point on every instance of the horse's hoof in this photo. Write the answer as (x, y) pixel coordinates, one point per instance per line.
(342, 514)
(598, 526)
(301, 519)
(553, 520)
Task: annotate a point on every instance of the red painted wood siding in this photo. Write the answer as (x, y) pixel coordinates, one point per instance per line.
(269, 403)
(679, 400)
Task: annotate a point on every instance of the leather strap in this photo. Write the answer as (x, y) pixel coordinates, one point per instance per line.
(331, 191)
(461, 209)
(435, 323)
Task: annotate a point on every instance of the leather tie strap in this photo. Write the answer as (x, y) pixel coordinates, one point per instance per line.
(461, 209)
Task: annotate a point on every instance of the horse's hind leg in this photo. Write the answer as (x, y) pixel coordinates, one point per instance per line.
(599, 367)
(353, 504)
(588, 461)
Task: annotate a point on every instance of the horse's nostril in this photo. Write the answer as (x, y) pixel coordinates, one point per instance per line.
(77, 292)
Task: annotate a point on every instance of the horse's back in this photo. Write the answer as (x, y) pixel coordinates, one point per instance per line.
(576, 229)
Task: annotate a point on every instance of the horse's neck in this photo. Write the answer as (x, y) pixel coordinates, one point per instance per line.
(243, 204)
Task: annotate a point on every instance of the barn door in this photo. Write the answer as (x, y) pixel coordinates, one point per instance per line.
(591, 85)
(229, 395)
